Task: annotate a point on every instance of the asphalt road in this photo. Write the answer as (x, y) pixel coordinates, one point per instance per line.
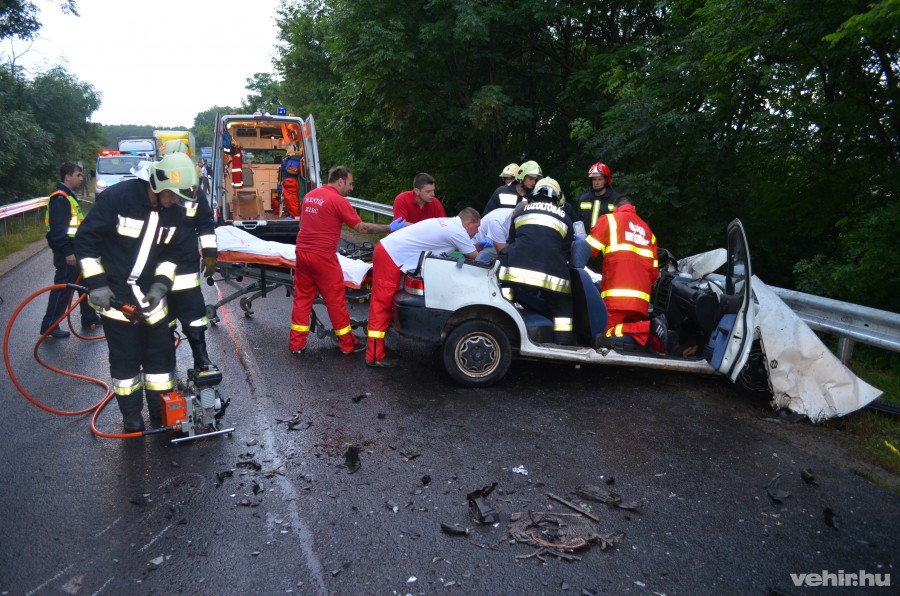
(274, 508)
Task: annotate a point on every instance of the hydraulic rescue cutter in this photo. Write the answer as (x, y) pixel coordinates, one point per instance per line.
(196, 408)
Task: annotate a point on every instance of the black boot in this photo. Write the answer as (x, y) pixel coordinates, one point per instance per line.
(154, 405)
(659, 335)
(197, 339)
(131, 408)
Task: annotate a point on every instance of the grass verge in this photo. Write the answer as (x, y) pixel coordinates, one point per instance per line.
(14, 240)
(877, 436)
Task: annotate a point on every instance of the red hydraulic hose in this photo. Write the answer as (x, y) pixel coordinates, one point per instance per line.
(97, 408)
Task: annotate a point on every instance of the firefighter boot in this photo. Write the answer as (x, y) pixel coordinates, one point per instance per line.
(197, 339)
(131, 408)
(154, 405)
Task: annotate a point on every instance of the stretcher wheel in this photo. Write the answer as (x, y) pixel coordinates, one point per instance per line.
(247, 306)
(211, 314)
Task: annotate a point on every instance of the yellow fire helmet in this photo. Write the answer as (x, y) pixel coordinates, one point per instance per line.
(175, 172)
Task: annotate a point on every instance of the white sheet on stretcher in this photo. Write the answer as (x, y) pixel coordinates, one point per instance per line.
(233, 239)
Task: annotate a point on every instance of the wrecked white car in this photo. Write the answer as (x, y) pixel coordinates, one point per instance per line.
(715, 323)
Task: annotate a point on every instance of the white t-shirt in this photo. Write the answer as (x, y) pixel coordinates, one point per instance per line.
(440, 235)
(495, 225)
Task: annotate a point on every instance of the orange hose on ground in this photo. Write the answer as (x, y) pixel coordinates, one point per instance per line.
(97, 408)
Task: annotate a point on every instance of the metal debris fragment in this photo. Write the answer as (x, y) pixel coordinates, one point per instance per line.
(351, 458)
(483, 512)
(455, 529)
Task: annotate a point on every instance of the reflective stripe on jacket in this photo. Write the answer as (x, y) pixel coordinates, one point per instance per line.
(630, 265)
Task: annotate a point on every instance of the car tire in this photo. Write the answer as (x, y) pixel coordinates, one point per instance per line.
(477, 354)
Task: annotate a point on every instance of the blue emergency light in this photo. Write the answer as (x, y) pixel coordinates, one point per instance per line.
(281, 111)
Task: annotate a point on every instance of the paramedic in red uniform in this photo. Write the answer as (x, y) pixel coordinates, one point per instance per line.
(400, 251)
(419, 203)
(630, 269)
(322, 213)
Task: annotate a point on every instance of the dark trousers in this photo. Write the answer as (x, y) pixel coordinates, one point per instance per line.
(58, 301)
(188, 307)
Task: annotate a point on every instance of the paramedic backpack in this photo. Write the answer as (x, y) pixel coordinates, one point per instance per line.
(290, 166)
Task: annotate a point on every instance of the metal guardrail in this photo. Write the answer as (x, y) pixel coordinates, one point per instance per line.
(376, 209)
(21, 208)
(850, 322)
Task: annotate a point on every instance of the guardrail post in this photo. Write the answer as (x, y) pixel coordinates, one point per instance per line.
(845, 350)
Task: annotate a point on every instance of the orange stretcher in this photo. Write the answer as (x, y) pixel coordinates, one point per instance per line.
(270, 265)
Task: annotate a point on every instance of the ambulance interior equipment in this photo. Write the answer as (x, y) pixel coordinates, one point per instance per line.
(246, 166)
(271, 265)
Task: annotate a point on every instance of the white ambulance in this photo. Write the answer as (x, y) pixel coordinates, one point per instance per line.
(248, 197)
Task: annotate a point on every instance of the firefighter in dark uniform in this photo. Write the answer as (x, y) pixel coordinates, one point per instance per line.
(535, 262)
(62, 218)
(186, 302)
(509, 195)
(126, 248)
(600, 199)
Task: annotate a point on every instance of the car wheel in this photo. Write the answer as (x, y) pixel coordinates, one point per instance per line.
(477, 354)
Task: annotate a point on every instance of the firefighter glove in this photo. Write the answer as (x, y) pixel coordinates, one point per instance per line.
(209, 266)
(155, 295)
(398, 223)
(101, 297)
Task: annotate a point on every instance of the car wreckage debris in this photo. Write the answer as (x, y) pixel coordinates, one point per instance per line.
(595, 493)
(454, 529)
(482, 511)
(558, 534)
(775, 493)
(574, 507)
(351, 458)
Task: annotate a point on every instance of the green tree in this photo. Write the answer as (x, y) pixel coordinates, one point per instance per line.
(205, 125)
(45, 123)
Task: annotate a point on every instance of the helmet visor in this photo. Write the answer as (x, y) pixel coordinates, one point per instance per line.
(188, 194)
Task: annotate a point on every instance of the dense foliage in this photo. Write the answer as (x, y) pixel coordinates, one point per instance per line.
(785, 114)
(45, 117)
(45, 122)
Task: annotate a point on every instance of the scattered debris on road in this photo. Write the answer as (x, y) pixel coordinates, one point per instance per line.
(351, 458)
(595, 493)
(482, 511)
(775, 493)
(558, 534)
(454, 529)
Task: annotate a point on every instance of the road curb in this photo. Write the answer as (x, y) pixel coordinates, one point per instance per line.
(12, 261)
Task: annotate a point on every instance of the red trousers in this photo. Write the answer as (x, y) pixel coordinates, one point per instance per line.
(628, 323)
(290, 189)
(318, 274)
(385, 282)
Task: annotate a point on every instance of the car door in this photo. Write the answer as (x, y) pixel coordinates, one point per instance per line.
(730, 343)
(217, 169)
(311, 151)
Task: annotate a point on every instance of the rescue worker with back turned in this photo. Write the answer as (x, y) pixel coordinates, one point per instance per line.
(322, 213)
(126, 247)
(630, 268)
(62, 218)
(186, 302)
(536, 261)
